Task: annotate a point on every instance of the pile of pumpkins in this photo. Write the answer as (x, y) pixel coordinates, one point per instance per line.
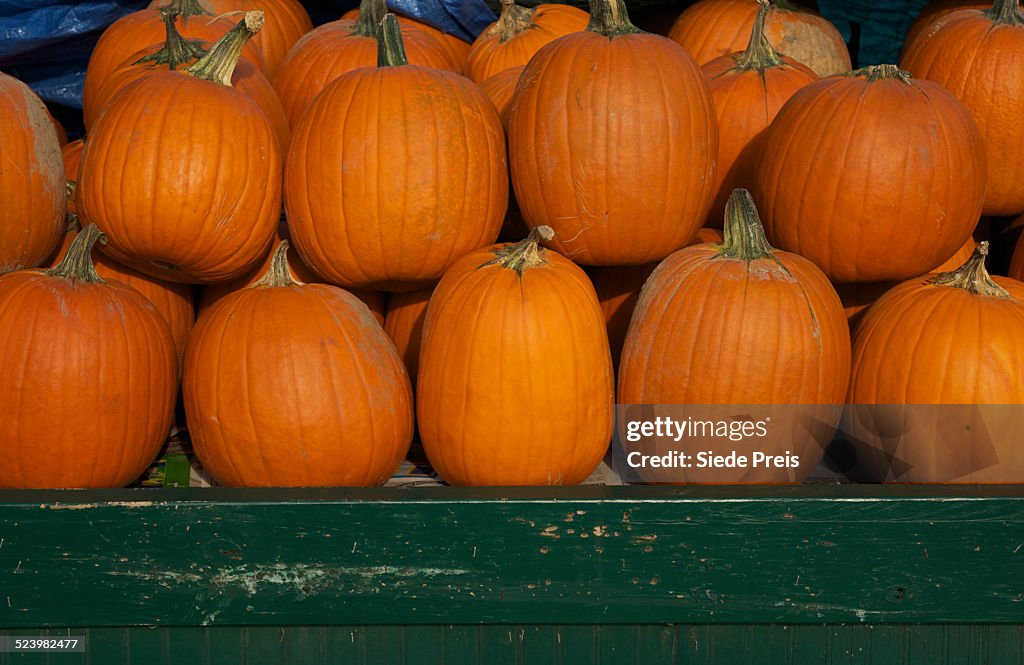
(699, 218)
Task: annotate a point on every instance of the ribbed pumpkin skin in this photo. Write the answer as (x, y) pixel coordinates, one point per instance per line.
(710, 29)
(404, 325)
(31, 178)
(928, 344)
(246, 78)
(872, 181)
(520, 392)
(142, 29)
(934, 11)
(393, 174)
(500, 88)
(193, 198)
(979, 62)
(71, 155)
(295, 386)
(489, 55)
(333, 49)
(619, 182)
(94, 413)
(456, 49)
(746, 102)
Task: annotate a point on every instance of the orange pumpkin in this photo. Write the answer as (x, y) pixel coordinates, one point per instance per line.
(855, 175)
(934, 11)
(921, 344)
(62, 134)
(175, 53)
(748, 88)
(739, 323)
(404, 325)
(499, 89)
(518, 33)
(95, 413)
(456, 48)
(395, 172)
(287, 21)
(32, 185)
(621, 182)
(143, 28)
(216, 223)
(71, 155)
(520, 392)
(328, 402)
(975, 55)
(710, 29)
(342, 46)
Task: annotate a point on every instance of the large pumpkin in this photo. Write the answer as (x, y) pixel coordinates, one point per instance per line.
(518, 33)
(976, 55)
(456, 48)
(327, 403)
(956, 338)
(748, 89)
(342, 46)
(89, 377)
(740, 324)
(515, 377)
(612, 142)
(32, 184)
(394, 173)
(874, 176)
(710, 29)
(183, 172)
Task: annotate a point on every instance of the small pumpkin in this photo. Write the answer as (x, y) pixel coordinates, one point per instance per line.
(621, 182)
(874, 176)
(403, 323)
(216, 223)
(518, 33)
(519, 392)
(921, 344)
(32, 184)
(328, 402)
(975, 54)
(395, 172)
(710, 29)
(500, 88)
(95, 413)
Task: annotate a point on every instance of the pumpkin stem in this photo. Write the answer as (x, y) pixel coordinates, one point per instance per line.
(526, 253)
(972, 276)
(371, 13)
(278, 273)
(881, 72)
(744, 233)
(176, 49)
(219, 64)
(513, 20)
(186, 9)
(609, 18)
(390, 47)
(759, 55)
(77, 264)
(1005, 12)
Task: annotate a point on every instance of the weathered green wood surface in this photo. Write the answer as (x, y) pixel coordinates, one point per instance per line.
(546, 645)
(627, 555)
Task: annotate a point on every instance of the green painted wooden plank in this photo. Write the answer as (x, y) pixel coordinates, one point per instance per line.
(577, 555)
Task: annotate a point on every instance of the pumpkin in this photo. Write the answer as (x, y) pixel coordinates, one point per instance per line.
(287, 21)
(621, 182)
(216, 223)
(141, 29)
(32, 185)
(934, 11)
(456, 48)
(327, 403)
(741, 324)
(499, 89)
(394, 173)
(515, 377)
(95, 413)
(955, 338)
(175, 53)
(748, 89)
(71, 155)
(874, 176)
(518, 33)
(710, 29)
(342, 46)
(62, 134)
(988, 45)
(403, 323)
